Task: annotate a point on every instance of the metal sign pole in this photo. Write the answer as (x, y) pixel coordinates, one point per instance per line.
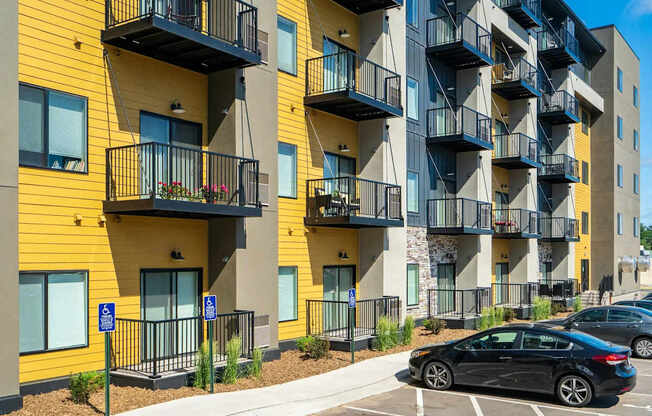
(106, 324)
(352, 322)
(107, 374)
(210, 314)
(210, 353)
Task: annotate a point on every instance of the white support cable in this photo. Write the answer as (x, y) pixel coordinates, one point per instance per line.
(443, 183)
(546, 197)
(320, 146)
(508, 55)
(119, 94)
(546, 74)
(391, 43)
(546, 136)
(449, 13)
(442, 89)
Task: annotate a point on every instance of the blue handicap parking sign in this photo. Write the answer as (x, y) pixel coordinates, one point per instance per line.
(351, 298)
(106, 317)
(210, 308)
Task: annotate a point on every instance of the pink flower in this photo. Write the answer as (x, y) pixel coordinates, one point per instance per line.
(223, 188)
(214, 187)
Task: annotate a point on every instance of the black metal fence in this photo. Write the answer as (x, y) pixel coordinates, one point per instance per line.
(513, 221)
(458, 213)
(549, 38)
(330, 318)
(516, 145)
(533, 5)
(348, 71)
(517, 70)
(156, 170)
(559, 164)
(155, 347)
(445, 121)
(514, 294)
(350, 196)
(452, 303)
(559, 289)
(444, 30)
(558, 101)
(559, 228)
(231, 21)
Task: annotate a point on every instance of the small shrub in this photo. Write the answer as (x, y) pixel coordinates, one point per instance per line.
(484, 320)
(542, 309)
(557, 308)
(406, 332)
(499, 316)
(83, 385)
(318, 348)
(509, 315)
(255, 368)
(387, 334)
(302, 343)
(577, 304)
(434, 325)
(230, 375)
(203, 369)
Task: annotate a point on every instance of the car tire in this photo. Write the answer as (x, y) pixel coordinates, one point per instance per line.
(643, 347)
(574, 391)
(437, 376)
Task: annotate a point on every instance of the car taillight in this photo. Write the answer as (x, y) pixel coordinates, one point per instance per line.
(611, 359)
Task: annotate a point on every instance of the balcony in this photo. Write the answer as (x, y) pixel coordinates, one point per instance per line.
(515, 151)
(349, 202)
(526, 13)
(461, 129)
(201, 35)
(461, 43)
(559, 168)
(558, 229)
(458, 304)
(559, 289)
(366, 6)
(458, 216)
(558, 48)
(515, 80)
(559, 107)
(516, 224)
(349, 86)
(514, 295)
(161, 180)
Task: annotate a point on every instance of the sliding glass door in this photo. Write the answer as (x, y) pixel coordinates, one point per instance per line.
(337, 282)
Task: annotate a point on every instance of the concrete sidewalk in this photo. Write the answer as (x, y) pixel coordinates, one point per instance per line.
(299, 397)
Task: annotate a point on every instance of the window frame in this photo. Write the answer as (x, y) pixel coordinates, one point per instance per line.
(636, 187)
(635, 96)
(619, 79)
(415, 13)
(620, 176)
(585, 172)
(45, 121)
(170, 121)
(45, 274)
(585, 223)
(636, 140)
(407, 297)
(619, 223)
(620, 127)
(416, 173)
(296, 51)
(296, 293)
(585, 122)
(296, 171)
(637, 226)
(416, 91)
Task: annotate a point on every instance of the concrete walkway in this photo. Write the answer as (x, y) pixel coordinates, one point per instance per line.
(299, 397)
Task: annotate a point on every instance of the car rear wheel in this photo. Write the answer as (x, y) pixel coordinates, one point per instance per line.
(574, 391)
(643, 347)
(437, 376)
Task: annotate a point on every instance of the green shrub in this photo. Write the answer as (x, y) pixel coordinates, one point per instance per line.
(484, 320)
(387, 334)
(406, 332)
(318, 348)
(203, 368)
(434, 325)
(542, 309)
(83, 385)
(509, 315)
(557, 308)
(577, 304)
(230, 375)
(491, 317)
(302, 343)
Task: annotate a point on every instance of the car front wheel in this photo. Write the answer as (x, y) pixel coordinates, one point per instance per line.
(574, 391)
(643, 347)
(437, 376)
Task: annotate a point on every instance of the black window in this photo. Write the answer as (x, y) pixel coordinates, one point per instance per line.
(585, 222)
(503, 340)
(585, 122)
(619, 315)
(543, 341)
(593, 315)
(585, 173)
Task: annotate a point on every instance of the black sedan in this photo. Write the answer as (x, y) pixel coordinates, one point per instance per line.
(624, 325)
(645, 304)
(648, 296)
(574, 366)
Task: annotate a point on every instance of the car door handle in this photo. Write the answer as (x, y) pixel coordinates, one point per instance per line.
(595, 326)
(504, 358)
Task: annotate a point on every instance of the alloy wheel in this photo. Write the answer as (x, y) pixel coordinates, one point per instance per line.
(438, 376)
(574, 391)
(643, 348)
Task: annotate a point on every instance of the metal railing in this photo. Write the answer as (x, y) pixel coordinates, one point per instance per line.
(458, 213)
(516, 145)
(548, 38)
(451, 303)
(231, 21)
(558, 101)
(347, 71)
(162, 171)
(534, 6)
(520, 70)
(461, 120)
(514, 294)
(559, 164)
(350, 196)
(155, 347)
(514, 221)
(559, 227)
(443, 30)
(330, 318)
(559, 289)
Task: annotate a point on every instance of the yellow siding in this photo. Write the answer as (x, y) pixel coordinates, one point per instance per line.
(583, 196)
(310, 249)
(49, 238)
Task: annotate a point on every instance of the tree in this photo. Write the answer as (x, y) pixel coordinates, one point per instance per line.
(646, 236)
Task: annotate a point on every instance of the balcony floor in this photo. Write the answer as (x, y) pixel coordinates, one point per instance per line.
(558, 58)
(178, 44)
(523, 16)
(460, 143)
(460, 55)
(558, 117)
(153, 207)
(352, 105)
(516, 236)
(515, 90)
(519, 162)
(352, 221)
(559, 178)
(366, 6)
(458, 231)
(560, 239)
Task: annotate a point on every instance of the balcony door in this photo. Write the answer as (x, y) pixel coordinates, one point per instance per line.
(502, 283)
(337, 282)
(501, 145)
(585, 275)
(336, 166)
(446, 285)
(339, 67)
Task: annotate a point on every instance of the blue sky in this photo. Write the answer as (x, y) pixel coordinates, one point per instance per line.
(634, 20)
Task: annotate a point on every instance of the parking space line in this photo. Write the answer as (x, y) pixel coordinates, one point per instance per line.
(419, 402)
(375, 412)
(476, 406)
(536, 409)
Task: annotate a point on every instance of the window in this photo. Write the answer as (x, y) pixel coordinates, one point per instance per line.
(619, 315)
(287, 170)
(594, 315)
(336, 166)
(620, 80)
(161, 129)
(620, 176)
(585, 122)
(619, 219)
(585, 173)
(53, 129)
(636, 142)
(412, 13)
(413, 191)
(620, 127)
(585, 222)
(412, 99)
(287, 294)
(412, 284)
(287, 45)
(503, 340)
(636, 186)
(635, 94)
(53, 311)
(637, 227)
(541, 341)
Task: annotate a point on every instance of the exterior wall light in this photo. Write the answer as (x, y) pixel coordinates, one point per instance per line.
(176, 255)
(344, 148)
(177, 108)
(344, 34)
(343, 256)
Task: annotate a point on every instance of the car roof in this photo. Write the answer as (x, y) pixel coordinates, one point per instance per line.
(649, 300)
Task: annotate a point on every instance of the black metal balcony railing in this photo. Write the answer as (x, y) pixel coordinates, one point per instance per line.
(330, 318)
(516, 80)
(514, 294)
(559, 107)
(559, 229)
(516, 222)
(462, 121)
(458, 216)
(559, 47)
(516, 145)
(526, 12)
(461, 42)
(347, 72)
(559, 168)
(152, 348)
(559, 289)
(352, 199)
(451, 303)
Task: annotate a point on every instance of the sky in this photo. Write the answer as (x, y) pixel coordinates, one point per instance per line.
(634, 20)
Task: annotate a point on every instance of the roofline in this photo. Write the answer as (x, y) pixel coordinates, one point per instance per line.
(621, 35)
(575, 17)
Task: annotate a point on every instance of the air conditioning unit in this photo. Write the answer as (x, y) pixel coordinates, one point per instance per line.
(263, 188)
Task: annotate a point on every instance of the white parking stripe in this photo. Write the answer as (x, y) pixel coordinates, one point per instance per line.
(375, 412)
(419, 402)
(639, 394)
(537, 411)
(476, 406)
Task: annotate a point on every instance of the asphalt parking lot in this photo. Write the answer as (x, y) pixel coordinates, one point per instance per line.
(415, 400)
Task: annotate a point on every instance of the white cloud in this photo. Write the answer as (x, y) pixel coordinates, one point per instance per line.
(640, 7)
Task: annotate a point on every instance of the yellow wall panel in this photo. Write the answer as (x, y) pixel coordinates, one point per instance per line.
(583, 192)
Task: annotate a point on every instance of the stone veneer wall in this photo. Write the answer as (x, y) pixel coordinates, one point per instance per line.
(427, 251)
(545, 256)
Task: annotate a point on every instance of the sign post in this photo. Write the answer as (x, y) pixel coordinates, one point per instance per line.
(210, 314)
(352, 322)
(106, 324)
